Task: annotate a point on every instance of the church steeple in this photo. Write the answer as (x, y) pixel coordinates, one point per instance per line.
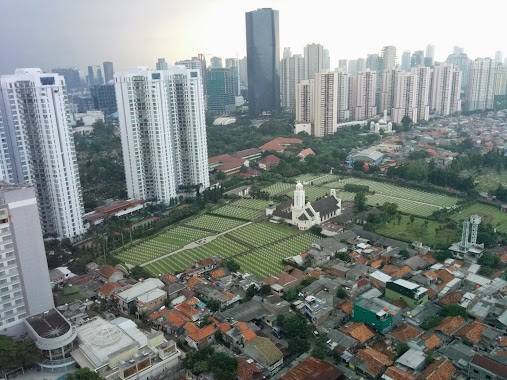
(299, 197)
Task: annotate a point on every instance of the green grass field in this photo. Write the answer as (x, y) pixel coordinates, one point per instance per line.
(213, 223)
(238, 212)
(278, 188)
(488, 180)
(259, 234)
(489, 214)
(418, 231)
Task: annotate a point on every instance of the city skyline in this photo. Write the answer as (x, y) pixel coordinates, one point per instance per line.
(131, 44)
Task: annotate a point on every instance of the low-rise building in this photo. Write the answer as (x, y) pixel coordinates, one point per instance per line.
(379, 314)
(411, 293)
(314, 369)
(129, 297)
(264, 352)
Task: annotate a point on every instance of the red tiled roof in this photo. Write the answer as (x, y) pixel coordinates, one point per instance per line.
(491, 365)
(440, 369)
(197, 334)
(396, 373)
(359, 331)
(245, 369)
(347, 307)
(431, 340)
(193, 281)
(169, 278)
(176, 318)
(108, 288)
(313, 369)
(107, 271)
(269, 160)
(246, 152)
(472, 331)
(306, 152)
(405, 332)
(217, 273)
(376, 361)
(278, 143)
(188, 307)
(450, 325)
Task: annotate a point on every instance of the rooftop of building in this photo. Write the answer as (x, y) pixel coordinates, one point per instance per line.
(313, 369)
(49, 324)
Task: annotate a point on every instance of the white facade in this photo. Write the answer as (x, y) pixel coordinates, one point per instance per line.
(291, 73)
(342, 93)
(314, 60)
(24, 277)
(163, 131)
(304, 101)
(423, 75)
(382, 126)
(501, 81)
(325, 108)
(445, 90)
(363, 95)
(481, 84)
(405, 60)
(38, 147)
(405, 97)
(389, 57)
(387, 89)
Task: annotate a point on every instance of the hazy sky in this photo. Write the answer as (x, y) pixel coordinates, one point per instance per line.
(63, 33)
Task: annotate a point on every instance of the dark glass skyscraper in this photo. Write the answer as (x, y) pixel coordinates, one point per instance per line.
(263, 60)
(108, 71)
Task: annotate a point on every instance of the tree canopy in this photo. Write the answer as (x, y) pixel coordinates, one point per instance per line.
(17, 354)
(83, 374)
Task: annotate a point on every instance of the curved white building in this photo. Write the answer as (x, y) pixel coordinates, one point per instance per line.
(54, 336)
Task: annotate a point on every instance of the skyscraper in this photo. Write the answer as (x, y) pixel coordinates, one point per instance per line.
(72, 78)
(342, 93)
(291, 73)
(304, 102)
(327, 60)
(342, 65)
(222, 89)
(405, 60)
(389, 57)
(480, 90)
(108, 71)
(314, 60)
(372, 62)
(263, 60)
(501, 81)
(243, 72)
(26, 288)
(164, 145)
(352, 70)
(231, 62)
(460, 60)
(216, 63)
(198, 63)
(362, 101)
(161, 64)
(498, 57)
(423, 75)
(445, 90)
(417, 58)
(38, 147)
(387, 90)
(429, 59)
(405, 97)
(325, 106)
(94, 77)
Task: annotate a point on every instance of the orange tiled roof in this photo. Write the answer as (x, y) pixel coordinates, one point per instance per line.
(360, 332)
(188, 307)
(306, 152)
(440, 369)
(360, 260)
(245, 369)
(217, 273)
(197, 334)
(107, 270)
(451, 298)
(404, 270)
(278, 143)
(405, 332)
(316, 273)
(396, 373)
(389, 269)
(376, 264)
(503, 342)
(108, 288)
(450, 325)
(246, 331)
(176, 318)
(193, 281)
(472, 331)
(376, 361)
(224, 327)
(169, 277)
(347, 307)
(157, 314)
(431, 340)
(444, 275)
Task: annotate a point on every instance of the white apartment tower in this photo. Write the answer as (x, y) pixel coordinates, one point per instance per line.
(405, 97)
(423, 75)
(314, 60)
(38, 147)
(481, 84)
(342, 92)
(389, 57)
(363, 95)
(25, 284)
(445, 90)
(291, 73)
(501, 80)
(325, 106)
(405, 60)
(163, 131)
(387, 90)
(304, 107)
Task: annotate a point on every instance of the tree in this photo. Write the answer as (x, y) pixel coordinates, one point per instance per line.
(404, 253)
(432, 322)
(360, 202)
(454, 310)
(83, 374)
(489, 260)
(340, 293)
(232, 265)
(319, 350)
(406, 122)
(138, 272)
(401, 348)
(17, 354)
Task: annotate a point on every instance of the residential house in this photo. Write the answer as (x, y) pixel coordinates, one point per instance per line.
(129, 297)
(199, 337)
(411, 293)
(269, 162)
(377, 313)
(449, 326)
(413, 359)
(314, 369)
(305, 153)
(370, 362)
(485, 367)
(359, 331)
(440, 369)
(405, 333)
(109, 289)
(192, 308)
(395, 373)
(110, 274)
(264, 352)
(340, 342)
(150, 300)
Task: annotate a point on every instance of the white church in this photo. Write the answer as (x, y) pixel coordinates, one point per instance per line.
(382, 124)
(306, 214)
